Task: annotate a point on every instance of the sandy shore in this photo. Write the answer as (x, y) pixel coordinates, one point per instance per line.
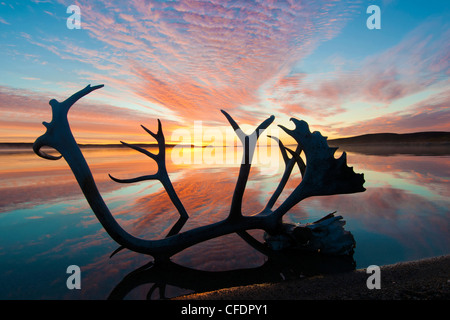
(427, 279)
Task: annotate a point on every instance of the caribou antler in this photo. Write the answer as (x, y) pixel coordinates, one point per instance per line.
(322, 175)
(58, 129)
(161, 175)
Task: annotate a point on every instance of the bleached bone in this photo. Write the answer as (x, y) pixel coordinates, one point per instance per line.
(322, 175)
(326, 235)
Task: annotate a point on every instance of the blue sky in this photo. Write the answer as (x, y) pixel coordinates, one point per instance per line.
(183, 61)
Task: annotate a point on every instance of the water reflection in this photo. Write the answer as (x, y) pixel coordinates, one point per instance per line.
(279, 267)
(46, 224)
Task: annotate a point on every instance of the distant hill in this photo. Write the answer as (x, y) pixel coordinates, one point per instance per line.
(27, 145)
(419, 143)
(418, 138)
(16, 145)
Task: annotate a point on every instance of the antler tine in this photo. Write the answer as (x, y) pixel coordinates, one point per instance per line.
(263, 126)
(138, 179)
(298, 160)
(141, 150)
(157, 135)
(159, 158)
(160, 175)
(249, 144)
(59, 126)
(282, 149)
(78, 95)
(289, 163)
(241, 135)
(38, 144)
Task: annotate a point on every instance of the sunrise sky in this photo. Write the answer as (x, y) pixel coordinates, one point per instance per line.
(183, 61)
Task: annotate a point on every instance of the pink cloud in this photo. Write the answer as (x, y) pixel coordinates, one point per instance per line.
(419, 61)
(207, 55)
(3, 21)
(431, 114)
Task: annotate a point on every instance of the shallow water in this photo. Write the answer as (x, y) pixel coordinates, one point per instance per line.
(46, 224)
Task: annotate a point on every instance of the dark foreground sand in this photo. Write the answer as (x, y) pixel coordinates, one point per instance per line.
(427, 279)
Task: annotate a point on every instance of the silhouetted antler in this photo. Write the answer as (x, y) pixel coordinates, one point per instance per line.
(289, 165)
(160, 175)
(58, 129)
(322, 175)
(249, 144)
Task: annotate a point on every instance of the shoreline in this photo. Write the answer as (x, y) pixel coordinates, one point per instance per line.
(425, 279)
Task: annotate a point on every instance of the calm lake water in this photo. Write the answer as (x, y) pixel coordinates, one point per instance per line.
(46, 224)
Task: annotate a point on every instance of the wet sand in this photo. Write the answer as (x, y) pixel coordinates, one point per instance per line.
(427, 279)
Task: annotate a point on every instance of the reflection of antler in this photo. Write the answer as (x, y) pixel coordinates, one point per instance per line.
(288, 264)
(322, 175)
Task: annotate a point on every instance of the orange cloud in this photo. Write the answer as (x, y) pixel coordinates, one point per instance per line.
(195, 58)
(23, 112)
